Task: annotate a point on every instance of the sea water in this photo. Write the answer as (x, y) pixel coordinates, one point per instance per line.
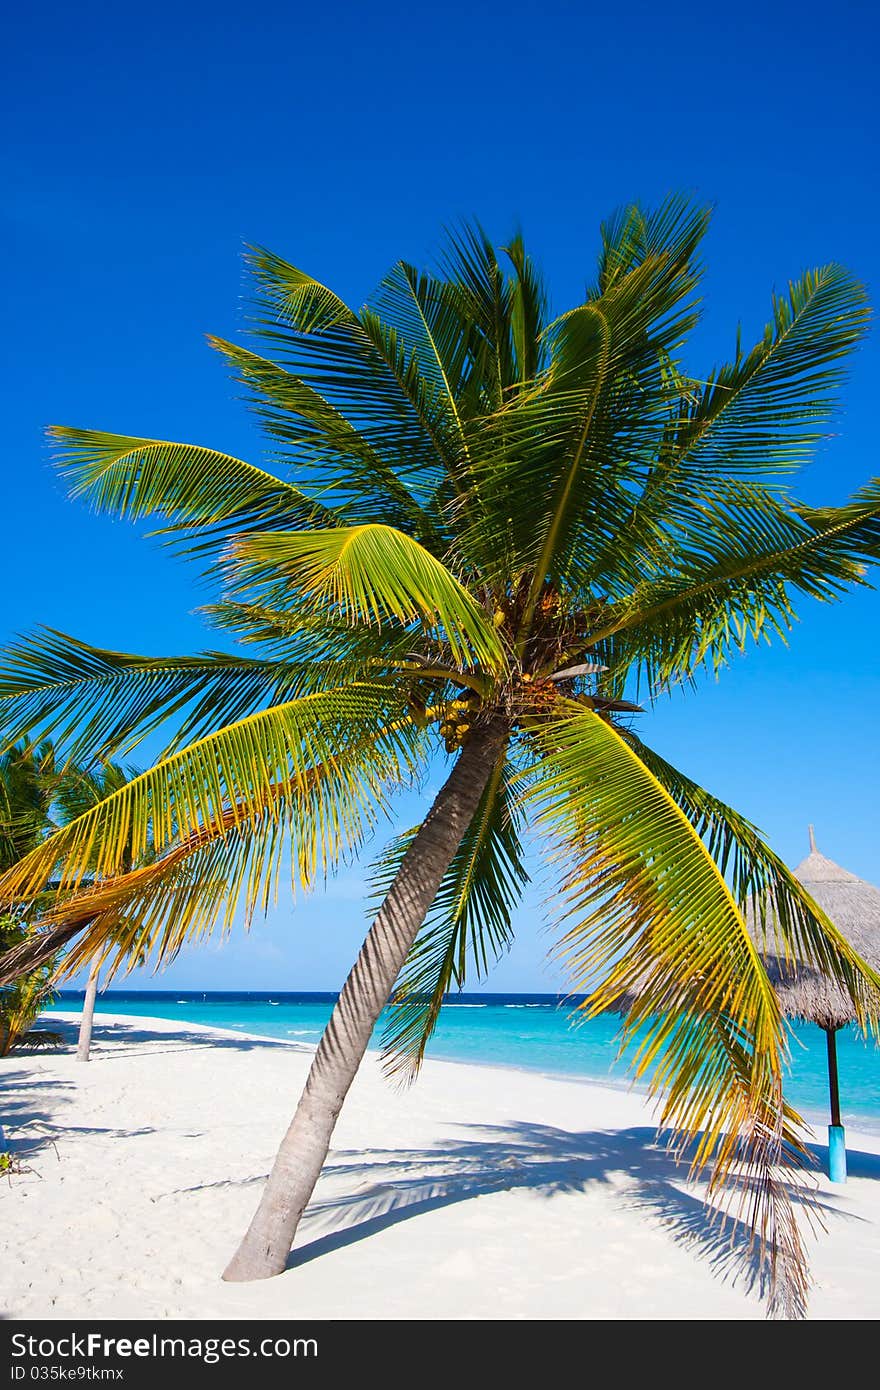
(532, 1032)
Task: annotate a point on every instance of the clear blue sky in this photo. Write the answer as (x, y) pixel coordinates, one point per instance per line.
(145, 144)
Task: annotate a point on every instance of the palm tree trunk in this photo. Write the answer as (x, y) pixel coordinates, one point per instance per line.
(266, 1245)
(88, 1013)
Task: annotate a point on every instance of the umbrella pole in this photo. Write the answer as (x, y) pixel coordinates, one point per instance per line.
(836, 1131)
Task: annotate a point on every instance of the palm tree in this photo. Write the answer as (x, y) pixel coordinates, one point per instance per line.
(38, 792)
(29, 781)
(22, 1000)
(80, 790)
(492, 528)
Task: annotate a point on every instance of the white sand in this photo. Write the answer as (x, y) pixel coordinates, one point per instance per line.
(480, 1193)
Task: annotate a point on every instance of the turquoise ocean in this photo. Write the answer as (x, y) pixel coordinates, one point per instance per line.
(530, 1032)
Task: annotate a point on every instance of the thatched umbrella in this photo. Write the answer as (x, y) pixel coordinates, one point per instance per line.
(804, 992)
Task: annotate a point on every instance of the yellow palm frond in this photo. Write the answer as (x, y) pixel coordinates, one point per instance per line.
(194, 789)
(372, 573)
(653, 930)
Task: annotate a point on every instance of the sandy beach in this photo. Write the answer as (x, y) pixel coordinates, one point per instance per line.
(480, 1193)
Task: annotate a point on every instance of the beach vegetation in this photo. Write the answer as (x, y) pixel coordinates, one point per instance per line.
(29, 782)
(22, 1000)
(39, 792)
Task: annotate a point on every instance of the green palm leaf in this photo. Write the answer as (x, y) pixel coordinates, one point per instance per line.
(766, 409)
(581, 442)
(528, 312)
(733, 573)
(430, 329)
(30, 780)
(205, 493)
(323, 343)
(229, 863)
(191, 791)
(97, 702)
(372, 573)
(344, 465)
(484, 295)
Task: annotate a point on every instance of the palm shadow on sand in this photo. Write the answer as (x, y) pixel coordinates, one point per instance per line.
(397, 1185)
(32, 1114)
(183, 1039)
(29, 1126)
(27, 1103)
(403, 1184)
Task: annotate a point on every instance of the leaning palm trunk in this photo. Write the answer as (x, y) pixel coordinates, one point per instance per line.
(85, 1028)
(266, 1246)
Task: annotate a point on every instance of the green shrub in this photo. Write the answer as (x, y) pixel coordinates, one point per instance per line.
(22, 1001)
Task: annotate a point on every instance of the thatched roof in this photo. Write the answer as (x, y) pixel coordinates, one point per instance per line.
(854, 907)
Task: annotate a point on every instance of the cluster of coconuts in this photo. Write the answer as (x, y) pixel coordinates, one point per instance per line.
(456, 723)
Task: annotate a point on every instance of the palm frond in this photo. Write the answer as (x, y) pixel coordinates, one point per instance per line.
(84, 786)
(767, 408)
(98, 702)
(484, 292)
(191, 791)
(606, 384)
(317, 338)
(329, 454)
(370, 574)
(652, 921)
(30, 778)
(756, 418)
(635, 234)
(227, 864)
(203, 493)
(783, 911)
(560, 463)
(430, 330)
(528, 312)
(733, 574)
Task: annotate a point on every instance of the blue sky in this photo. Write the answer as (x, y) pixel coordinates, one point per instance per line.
(148, 144)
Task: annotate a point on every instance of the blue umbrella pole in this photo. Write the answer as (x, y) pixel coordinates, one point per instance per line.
(836, 1131)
